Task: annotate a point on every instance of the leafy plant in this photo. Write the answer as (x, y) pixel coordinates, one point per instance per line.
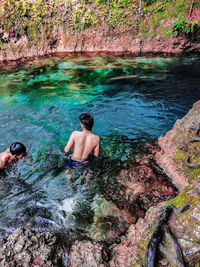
(183, 26)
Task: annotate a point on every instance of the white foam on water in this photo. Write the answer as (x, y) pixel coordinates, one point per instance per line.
(68, 205)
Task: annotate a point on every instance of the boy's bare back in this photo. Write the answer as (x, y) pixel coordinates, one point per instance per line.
(84, 142)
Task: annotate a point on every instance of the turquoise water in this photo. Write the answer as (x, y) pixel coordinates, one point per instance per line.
(133, 100)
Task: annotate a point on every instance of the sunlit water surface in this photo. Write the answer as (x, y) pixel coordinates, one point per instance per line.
(133, 100)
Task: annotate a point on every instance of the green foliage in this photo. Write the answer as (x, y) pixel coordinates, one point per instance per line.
(116, 17)
(149, 2)
(183, 26)
(29, 17)
(180, 9)
(83, 18)
(37, 19)
(89, 19)
(101, 2)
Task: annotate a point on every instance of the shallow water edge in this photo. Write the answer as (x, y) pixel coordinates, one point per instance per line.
(19, 61)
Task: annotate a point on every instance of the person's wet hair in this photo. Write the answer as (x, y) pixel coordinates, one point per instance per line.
(87, 120)
(17, 149)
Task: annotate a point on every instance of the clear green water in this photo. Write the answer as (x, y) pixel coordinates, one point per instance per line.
(132, 99)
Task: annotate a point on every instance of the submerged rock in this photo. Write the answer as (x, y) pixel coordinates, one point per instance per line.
(142, 185)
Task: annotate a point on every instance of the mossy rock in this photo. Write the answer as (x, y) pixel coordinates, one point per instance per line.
(183, 198)
(179, 155)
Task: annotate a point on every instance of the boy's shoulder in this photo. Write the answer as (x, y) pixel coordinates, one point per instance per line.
(75, 133)
(4, 154)
(96, 137)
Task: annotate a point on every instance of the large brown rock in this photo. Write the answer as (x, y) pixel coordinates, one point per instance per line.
(86, 254)
(176, 146)
(27, 248)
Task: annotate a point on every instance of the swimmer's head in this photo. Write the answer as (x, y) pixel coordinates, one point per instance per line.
(18, 149)
(87, 121)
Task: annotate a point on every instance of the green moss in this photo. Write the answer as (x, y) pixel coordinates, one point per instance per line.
(176, 136)
(187, 229)
(168, 240)
(151, 230)
(197, 146)
(186, 137)
(179, 155)
(194, 173)
(141, 251)
(183, 198)
(99, 230)
(143, 244)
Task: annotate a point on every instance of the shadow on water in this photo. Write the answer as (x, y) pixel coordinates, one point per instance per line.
(133, 100)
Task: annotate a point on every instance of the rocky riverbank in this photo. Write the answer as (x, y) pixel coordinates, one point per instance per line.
(105, 40)
(176, 146)
(144, 192)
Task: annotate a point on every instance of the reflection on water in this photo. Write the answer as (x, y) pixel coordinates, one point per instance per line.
(133, 100)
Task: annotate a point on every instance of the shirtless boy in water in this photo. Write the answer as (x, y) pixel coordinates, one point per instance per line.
(15, 151)
(85, 143)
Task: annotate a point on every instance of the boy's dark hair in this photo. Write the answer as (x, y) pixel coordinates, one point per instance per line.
(17, 148)
(87, 120)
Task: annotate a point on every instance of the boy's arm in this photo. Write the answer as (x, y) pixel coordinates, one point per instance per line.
(3, 161)
(2, 164)
(97, 148)
(69, 143)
